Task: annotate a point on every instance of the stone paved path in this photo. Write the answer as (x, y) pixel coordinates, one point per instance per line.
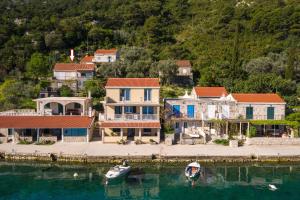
(99, 149)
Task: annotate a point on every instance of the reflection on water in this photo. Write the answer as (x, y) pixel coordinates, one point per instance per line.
(50, 181)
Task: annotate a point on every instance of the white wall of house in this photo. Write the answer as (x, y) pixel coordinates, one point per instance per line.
(106, 58)
(260, 110)
(184, 71)
(65, 75)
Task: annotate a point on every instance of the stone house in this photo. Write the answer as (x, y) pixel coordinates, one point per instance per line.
(72, 74)
(105, 56)
(131, 110)
(201, 113)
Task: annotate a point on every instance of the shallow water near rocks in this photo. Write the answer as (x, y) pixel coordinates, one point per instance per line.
(51, 181)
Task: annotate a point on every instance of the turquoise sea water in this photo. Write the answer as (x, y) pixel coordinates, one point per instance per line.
(48, 181)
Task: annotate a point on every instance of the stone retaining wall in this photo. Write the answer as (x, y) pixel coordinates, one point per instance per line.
(48, 138)
(3, 139)
(26, 138)
(74, 139)
(47, 157)
(272, 141)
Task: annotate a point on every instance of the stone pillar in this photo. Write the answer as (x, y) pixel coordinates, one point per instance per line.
(158, 135)
(38, 135)
(62, 135)
(141, 112)
(102, 134)
(241, 129)
(13, 135)
(140, 133)
(87, 135)
(123, 112)
(248, 128)
(64, 109)
(227, 128)
(121, 133)
(83, 109)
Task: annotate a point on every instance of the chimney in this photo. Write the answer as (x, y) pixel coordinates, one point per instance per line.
(89, 94)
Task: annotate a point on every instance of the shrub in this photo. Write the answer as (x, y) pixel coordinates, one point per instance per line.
(138, 141)
(25, 142)
(168, 128)
(224, 142)
(152, 141)
(241, 143)
(45, 142)
(252, 132)
(122, 141)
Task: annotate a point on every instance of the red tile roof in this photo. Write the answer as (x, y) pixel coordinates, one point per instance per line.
(132, 82)
(258, 98)
(106, 51)
(45, 122)
(210, 91)
(87, 59)
(130, 125)
(184, 63)
(74, 67)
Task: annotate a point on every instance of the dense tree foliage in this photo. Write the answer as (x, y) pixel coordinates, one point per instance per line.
(247, 46)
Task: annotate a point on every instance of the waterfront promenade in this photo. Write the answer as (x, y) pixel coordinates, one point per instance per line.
(99, 149)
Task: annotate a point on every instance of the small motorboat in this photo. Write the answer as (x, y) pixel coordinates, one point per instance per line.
(118, 171)
(272, 187)
(192, 171)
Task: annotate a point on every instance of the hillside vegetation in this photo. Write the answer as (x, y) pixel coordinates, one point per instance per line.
(247, 46)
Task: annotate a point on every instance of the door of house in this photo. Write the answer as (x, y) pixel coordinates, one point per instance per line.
(130, 134)
(191, 111)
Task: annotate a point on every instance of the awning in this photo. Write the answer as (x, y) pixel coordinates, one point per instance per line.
(130, 125)
(30, 122)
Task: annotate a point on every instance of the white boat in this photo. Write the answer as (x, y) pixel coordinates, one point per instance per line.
(117, 171)
(192, 170)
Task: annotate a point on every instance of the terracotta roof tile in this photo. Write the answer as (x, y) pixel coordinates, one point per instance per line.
(184, 63)
(210, 91)
(132, 82)
(130, 125)
(74, 67)
(106, 51)
(258, 98)
(45, 122)
(87, 59)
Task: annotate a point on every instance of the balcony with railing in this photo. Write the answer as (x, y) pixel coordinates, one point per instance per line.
(19, 112)
(133, 117)
(180, 116)
(265, 117)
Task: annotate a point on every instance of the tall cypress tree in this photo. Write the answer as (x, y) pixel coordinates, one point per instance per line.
(290, 69)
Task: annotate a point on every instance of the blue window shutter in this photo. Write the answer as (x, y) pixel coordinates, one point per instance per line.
(270, 113)
(249, 112)
(151, 110)
(176, 110)
(191, 111)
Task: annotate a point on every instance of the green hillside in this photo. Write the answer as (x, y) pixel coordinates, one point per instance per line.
(247, 46)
